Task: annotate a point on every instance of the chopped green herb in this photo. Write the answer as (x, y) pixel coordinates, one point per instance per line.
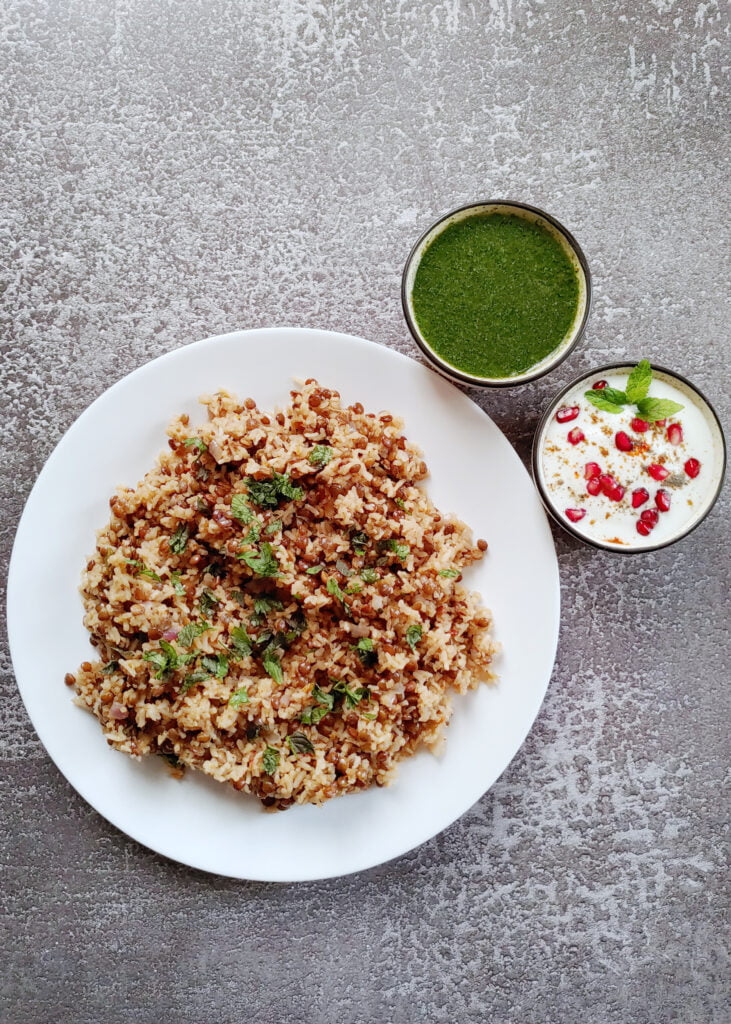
(167, 659)
(239, 698)
(351, 697)
(208, 601)
(188, 633)
(239, 595)
(413, 636)
(179, 539)
(263, 562)
(241, 510)
(176, 584)
(314, 569)
(449, 574)
(320, 455)
(270, 493)
(203, 506)
(401, 503)
(193, 679)
(254, 533)
(370, 717)
(299, 744)
(366, 651)
(343, 568)
(273, 666)
(201, 472)
(215, 664)
(142, 569)
(274, 527)
(369, 575)
(241, 642)
(333, 587)
(270, 761)
(400, 550)
(171, 759)
(359, 542)
(325, 703)
(265, 603)
(110, 667)
(196, 442)
(215, 569)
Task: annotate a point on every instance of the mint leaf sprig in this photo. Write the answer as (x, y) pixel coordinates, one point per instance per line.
(638, 384)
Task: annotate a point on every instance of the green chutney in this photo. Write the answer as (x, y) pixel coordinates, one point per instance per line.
(494, 294)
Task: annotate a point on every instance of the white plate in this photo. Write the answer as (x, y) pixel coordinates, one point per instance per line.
(474, 473)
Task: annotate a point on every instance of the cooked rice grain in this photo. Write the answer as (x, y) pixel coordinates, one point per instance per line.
(174, 555)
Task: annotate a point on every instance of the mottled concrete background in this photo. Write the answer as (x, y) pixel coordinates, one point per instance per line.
(174, 170)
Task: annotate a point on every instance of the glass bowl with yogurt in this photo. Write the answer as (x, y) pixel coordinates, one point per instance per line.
(629, 458)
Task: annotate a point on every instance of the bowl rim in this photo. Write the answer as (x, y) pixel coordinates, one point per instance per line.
(566, 524)
(453, 372)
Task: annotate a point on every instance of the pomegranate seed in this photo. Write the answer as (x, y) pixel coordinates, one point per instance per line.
(660, 423)
(675, 433)
(639, 426)
(608, 483)
(639, 497)
(662, 500)
(575, 435)
(658, 472)
(692, 467)
(592, 469)
(567, 413)
(593, 486)
(599, 385)
(644, 529)
(575, 514)
(623, 441)
(617, 493)
(650, 516)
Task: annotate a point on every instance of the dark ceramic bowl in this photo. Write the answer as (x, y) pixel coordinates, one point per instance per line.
(716, 465)
(571, 247)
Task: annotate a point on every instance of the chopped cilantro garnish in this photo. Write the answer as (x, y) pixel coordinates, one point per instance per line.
(314, 569)
(265, 604)
(399, 549)
(143, 570)
(320, 455)
(299, 744)
(110, 667)
(274, 527)
(449, 574)
(215, 664)
(241, 642)
(176, 584)
(359, 541)
(188, 633)
(351, 697)
(193, 679)
(401, 503)
(196, 442)
(167, 659)
(241, 510)
(270, 761)
(179, 539)
(263, 562)
(413, 636)
(239, 698)
(273, 666)
(270, 493)
(343, 568)
(325, 703)
(208, 601)
(369, 575)
(366, 651)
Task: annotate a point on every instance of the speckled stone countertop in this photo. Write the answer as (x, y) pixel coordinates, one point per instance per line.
(175, 170)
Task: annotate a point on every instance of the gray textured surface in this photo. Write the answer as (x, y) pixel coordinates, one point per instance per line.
(176, 170)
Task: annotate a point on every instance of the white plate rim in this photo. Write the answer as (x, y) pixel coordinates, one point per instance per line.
(117, 819)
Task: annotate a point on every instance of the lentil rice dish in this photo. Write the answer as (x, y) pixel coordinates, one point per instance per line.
(279, 604)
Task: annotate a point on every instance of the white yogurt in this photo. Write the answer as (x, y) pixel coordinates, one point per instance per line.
(612, 520)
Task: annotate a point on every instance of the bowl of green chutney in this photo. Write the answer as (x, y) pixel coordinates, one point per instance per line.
(496, 293)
